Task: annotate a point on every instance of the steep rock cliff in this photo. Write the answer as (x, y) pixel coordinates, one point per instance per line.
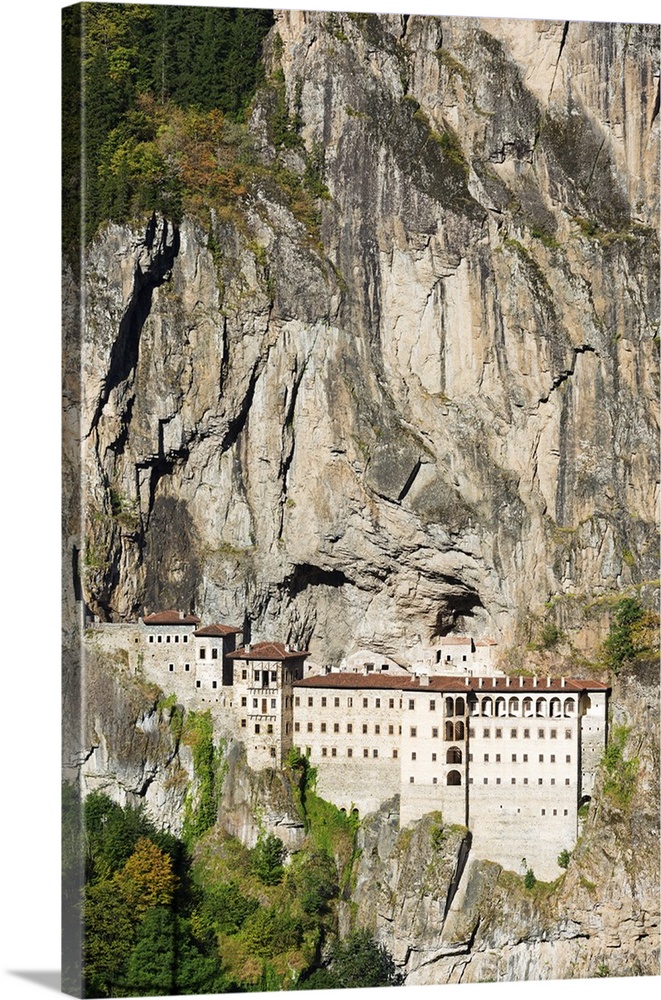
(438, 409)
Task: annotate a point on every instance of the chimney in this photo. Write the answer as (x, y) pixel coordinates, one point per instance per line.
(467, 680)
(534, 681)
(563, 682)
(481, 681)
(493, 682)
(248, 647)
(507, 681)
(548, 682)
(521, 681)
(182, 614)
(287, 648)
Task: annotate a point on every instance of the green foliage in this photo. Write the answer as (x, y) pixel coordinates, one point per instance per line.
(202, 808)
(619, 646)
(270, 931)
(529, 880)
(620, 777)
(564, 858)
(314, 876)
(223, 909)
(550, 635)
(266, 859)
(358, 961)
(603, 972)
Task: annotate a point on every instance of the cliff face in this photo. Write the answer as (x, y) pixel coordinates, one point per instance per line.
(437, 409)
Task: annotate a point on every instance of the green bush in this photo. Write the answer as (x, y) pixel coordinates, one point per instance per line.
(266, 859)
(563, 858)
(530, 881)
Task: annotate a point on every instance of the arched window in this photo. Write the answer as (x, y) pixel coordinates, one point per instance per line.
(556, 708)
(454, 778)
(453, 756)
(449, 706)
(527, 708)
(487, 706)
(459, 707)
(449, 731)
(569, 706)
(514, 706)
(500, 707)
(540, 708)
(459, 731)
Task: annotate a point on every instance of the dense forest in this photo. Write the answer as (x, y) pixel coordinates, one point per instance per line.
(162, 90)
(157, 120)
(204, 914)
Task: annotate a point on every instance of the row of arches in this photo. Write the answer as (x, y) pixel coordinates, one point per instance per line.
(455, 731)
(526, 708)
(455, 706)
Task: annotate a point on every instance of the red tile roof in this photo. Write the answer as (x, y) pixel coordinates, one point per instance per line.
(171, 618)
(456, 640)
(451, 685)
(267, 651)
(217, 631)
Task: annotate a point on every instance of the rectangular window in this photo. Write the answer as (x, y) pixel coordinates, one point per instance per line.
(203, 653)
(497, 758)
(364, 727)
(391, 730)
(395, 754)
(160, 638)
(309, 727)
(349, 752)
(434, 733)
(214, 684)
(151, 638)
(526, 734)
(187, 666)
(244, 675)
(553, 781)
(485, 781)
(185, 638)
(499, 734)
(414, 731)
(257, 675)
(513, 733)
(310, 702)
(377, 703)
(411, 704)
(167, 638)
(564, 812)
(391, 703)
(567, 734)
(297, 702)
(540, 781)
(336, 727)
(434, 780)
(176, 638)
(433, 757)
(349, 702)
(273, 703)
(514, 758)
(349, 727)
(243, 723)
(486, 758)
(525, 758)
(323, 727)
(269, 729)
(411, 780)
(244, 702)
(554, 734)
(334, 752)
(257, 727)
(364, 702)
(486, 734)
(414, 756)
(198, 684)
(297, 727)
(543, 812)
(336, 702)
(255, 703)
(514, 781)
(567, 781)
(214, 653)
(377, 730)
(366, 752)
(525, 781)
(471, 733)
(432, 705)
(470, 758)
(568, 759)
(553, 758)
(375, 753)
(497, 781)
(273, 753)
(324, 752)
(540, 734)
(274, 677)
(541, 758)
(171, 667)
(323, 703)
